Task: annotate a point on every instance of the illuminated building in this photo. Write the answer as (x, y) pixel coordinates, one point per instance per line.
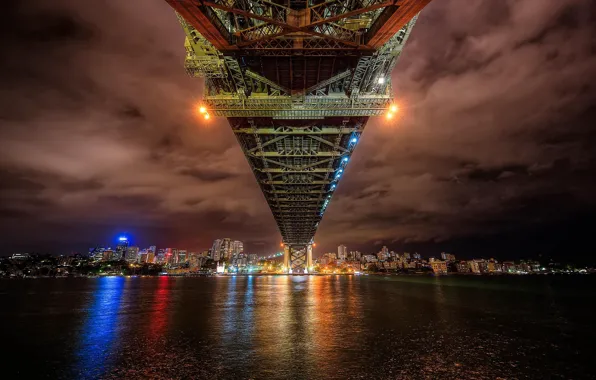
(108, 255)
(131, 254)
(161, 256)
(439, 266)
(342, 252)
(355, 255)
(462, 267)
(236, 248)
(447, 256)
(121, 248)
(509, 267)
(151, 257)
(181, 256)
(216, 250)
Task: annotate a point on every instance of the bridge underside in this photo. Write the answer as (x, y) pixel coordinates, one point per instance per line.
(297, 81)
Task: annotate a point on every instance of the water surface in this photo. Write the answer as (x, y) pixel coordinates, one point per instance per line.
(283, 327)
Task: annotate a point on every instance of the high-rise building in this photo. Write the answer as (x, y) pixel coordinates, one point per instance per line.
(226, 249)
(171, 255)
(161, 256)
(151, 257)
(355, 255)
(342, 252)
(236, 248)
(182, 256)
(216, 250)
(121, 248)
(131, 254)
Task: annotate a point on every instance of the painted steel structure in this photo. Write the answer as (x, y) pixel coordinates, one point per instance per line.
(297, 81)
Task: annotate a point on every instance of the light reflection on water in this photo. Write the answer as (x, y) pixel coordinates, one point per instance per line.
(306, 327)
(99, 333)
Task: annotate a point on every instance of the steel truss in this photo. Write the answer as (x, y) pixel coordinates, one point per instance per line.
(297, 86)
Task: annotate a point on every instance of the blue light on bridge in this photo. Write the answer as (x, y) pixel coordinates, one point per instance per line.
(345, 159)
(333, 187)
(354, 140)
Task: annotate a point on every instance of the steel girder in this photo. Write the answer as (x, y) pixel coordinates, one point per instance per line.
(296, 110)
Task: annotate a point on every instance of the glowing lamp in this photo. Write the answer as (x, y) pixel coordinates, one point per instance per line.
(202, 109)
(354, 140)
(389, 115)
(206, 116)
(394, 108)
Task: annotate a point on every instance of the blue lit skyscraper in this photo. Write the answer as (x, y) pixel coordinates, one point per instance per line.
(121, 248)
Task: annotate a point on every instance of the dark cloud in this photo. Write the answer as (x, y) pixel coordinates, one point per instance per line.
(495, 138)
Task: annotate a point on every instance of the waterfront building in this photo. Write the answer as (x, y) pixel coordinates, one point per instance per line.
(342, 252)
(439, 266)
(161, 256)
(121, 248)
(108, 255)
(216, 250)
(131, 254)
(236, 248)
(462, 267)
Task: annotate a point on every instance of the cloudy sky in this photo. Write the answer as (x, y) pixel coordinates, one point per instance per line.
(493, 152)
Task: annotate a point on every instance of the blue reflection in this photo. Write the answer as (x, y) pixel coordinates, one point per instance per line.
(100, 328)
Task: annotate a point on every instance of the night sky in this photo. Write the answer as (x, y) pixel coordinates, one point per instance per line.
(492, 154)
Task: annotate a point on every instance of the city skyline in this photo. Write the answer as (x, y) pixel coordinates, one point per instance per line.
(491, 151)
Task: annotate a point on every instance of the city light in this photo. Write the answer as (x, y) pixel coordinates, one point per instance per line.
(389, 115)
(394, 108)
(202, 109)
(206, 116)
(345, 159)
(122, 238)
(354, 140)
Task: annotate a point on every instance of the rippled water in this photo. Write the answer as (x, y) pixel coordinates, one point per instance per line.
(328, 327)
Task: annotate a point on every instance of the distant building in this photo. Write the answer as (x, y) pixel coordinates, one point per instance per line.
(478, 266)
(462, 267)
(182, 256)
(355, 256)
(236, 248)
(20, 256)
(509, 267)
(121, 248)
(161, 256)
(439, 266)
(342, 252)
(216, 250)
(108, 255)
(131, 254)
(447, 256)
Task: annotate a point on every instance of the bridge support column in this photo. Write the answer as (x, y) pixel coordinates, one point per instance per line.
(308, 268)
(297, 258)
(287, 266)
